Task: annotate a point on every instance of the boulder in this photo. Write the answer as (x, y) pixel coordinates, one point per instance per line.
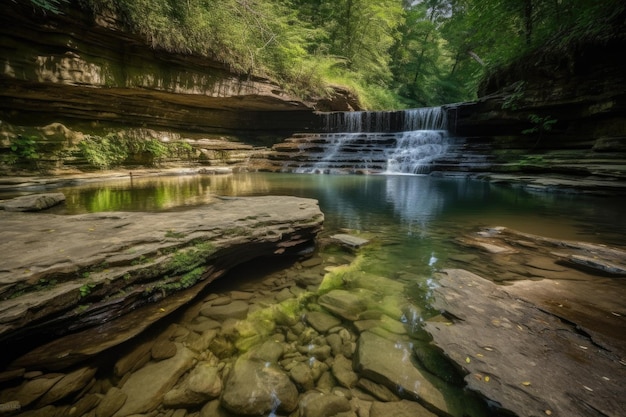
(319, 404)
(255, 387)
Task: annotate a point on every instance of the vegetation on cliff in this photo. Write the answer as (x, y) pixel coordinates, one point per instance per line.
(392, 53)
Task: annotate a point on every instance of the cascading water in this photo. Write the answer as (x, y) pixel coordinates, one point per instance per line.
(399, 142)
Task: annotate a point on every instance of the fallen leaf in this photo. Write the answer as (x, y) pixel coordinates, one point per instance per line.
(548, 412)
(480, 355)
(467, 360)
(487, 379)
(526, 383)
(587, 388)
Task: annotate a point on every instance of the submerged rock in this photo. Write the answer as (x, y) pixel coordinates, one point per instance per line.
(257, 387)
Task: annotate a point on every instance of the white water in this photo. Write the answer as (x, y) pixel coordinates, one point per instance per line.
(364, 142)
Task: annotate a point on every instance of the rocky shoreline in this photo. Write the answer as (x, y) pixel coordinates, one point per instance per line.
(318, 336)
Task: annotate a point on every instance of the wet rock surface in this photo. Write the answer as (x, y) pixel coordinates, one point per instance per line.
(557, 327)
(291, 355)
(62, 274)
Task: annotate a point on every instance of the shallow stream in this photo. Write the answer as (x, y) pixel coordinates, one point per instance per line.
(413, 224)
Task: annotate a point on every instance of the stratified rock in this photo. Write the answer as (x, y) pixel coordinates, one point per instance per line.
(146, 387)
(522, 358)
(319, 404)
(255, 387)
(402, 408)
(35, 202)
(76, 272)
(377, 390)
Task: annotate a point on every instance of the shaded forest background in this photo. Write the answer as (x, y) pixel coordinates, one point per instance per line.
(392, 54)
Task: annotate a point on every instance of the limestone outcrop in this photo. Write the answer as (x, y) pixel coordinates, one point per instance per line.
(62, 274)
(70, 75)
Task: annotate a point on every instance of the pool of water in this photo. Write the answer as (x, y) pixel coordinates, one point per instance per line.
(403, 208)
(413, 222)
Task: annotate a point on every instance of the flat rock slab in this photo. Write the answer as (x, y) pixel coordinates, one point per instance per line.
(60, 274)
(523, 358)
(35, 202)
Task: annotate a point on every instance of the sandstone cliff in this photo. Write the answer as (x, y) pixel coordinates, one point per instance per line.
(69, 75)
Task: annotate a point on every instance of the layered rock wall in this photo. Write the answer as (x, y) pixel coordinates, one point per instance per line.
(554, 114)
(93, 77)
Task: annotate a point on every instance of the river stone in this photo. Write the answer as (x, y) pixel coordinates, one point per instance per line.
(302, 375)
(389, 362)
(85, 404)
(321, 322)
(146, 387)
(111, 403)
(29, 391)
(377, 390)
(163, 349)
(69, 384)
(213, 409)
(343, 303)
(238, 309)
(268, 351)
(35, 202)
(350, 240)
(319, 404)
(255, 387)
(202, 384)
(402, 408)
(343, 373)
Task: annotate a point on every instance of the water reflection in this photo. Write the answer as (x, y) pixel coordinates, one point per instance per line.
(399, 206)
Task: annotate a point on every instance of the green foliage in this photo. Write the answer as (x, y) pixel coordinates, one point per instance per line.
(85, 290)
(53, 6)
(112, 150)
(104, 152)
(392, 53)
(24, 148)
(540, 124)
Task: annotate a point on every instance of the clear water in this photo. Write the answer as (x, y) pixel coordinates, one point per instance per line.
(401, 208)
(413, 222)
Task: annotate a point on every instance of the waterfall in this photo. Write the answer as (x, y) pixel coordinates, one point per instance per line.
(394, 142)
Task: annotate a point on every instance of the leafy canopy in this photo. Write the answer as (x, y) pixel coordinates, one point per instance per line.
(392, 53)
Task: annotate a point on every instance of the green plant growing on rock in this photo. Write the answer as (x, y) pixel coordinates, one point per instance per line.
(24, 149)
(540, 126)
(85, 289)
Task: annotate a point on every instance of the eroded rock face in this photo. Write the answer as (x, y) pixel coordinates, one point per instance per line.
(86, 270)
